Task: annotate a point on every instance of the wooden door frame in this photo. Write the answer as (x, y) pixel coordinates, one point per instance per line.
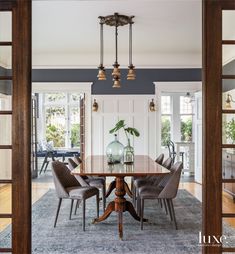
(212, 184)
(21, 125)
(21, 146)
(212, 120)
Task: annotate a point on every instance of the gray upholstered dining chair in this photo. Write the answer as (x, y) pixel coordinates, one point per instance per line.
(140, 181)
(67, 187)
(98, 182)
(165, 190)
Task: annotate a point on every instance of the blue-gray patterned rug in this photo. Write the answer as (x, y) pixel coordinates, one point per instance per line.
(158, 236)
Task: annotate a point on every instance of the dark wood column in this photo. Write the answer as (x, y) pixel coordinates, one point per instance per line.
(21, 128)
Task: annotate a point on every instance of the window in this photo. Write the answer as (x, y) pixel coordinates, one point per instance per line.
(165, 120)
(186, 120)
(61, 116)
(176, 118)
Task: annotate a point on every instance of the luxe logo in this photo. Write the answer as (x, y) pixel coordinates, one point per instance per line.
(211, 239)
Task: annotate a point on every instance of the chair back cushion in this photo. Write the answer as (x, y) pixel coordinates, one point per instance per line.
(160, 158)
(72, 164)
(62, 179)
(171, 188)
(77, 159)
(167, 163)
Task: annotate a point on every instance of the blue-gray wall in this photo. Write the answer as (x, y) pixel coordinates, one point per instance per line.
(142, 85)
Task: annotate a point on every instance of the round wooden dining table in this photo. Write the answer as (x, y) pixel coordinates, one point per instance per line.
(97, 165)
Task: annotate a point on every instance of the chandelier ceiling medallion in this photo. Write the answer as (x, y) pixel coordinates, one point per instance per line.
(116, 20)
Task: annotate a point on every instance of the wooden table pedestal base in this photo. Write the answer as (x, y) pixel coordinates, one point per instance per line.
(119, 205)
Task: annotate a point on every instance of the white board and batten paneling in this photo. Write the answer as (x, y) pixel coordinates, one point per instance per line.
(134, 109)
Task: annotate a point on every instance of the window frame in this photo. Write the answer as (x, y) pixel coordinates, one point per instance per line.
(67, 104)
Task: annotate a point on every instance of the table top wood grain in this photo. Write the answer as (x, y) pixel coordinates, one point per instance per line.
(97, 165)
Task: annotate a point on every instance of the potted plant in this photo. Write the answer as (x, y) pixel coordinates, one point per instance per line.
(129, 131)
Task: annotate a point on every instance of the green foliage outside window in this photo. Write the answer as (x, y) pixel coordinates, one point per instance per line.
(55, 134)
(166, 131)
(186, 130)
(230, 130)
(75, 135)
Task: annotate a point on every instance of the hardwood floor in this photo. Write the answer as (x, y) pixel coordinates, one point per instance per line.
(40, 188)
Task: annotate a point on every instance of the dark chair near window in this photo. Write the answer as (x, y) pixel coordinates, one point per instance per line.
(98, 182)
(166, 190)
(172, 152)
(67, 187)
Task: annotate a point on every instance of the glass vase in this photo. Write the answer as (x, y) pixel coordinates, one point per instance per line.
(114, 151)
(128, 157)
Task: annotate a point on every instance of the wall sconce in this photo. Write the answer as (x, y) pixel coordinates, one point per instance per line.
(95, 106)
(228, 101)
(188, 98)
(152, 106)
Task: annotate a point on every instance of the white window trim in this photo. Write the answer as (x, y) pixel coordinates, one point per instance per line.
(70, 87)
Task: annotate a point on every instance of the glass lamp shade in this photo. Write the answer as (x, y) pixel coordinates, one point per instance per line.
(114, 151)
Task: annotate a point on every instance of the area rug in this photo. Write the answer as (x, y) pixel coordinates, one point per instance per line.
(158, 236)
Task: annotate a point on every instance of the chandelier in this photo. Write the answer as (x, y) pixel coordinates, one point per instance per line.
(116, 20)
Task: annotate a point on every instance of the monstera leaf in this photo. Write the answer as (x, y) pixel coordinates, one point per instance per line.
(121, 124)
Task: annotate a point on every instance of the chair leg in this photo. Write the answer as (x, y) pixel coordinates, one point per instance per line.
(160, 203)
(104, 197)
(76, 207)
(133, 195)
(46, 166)
(83, 214)
(57, 212)
(97, 204)
(138, 205)
(169, 209)
(173, 213)
(141, 213)
(165, 205)
(71, 209)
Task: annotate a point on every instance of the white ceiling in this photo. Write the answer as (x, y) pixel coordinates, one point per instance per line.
(166, 33)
